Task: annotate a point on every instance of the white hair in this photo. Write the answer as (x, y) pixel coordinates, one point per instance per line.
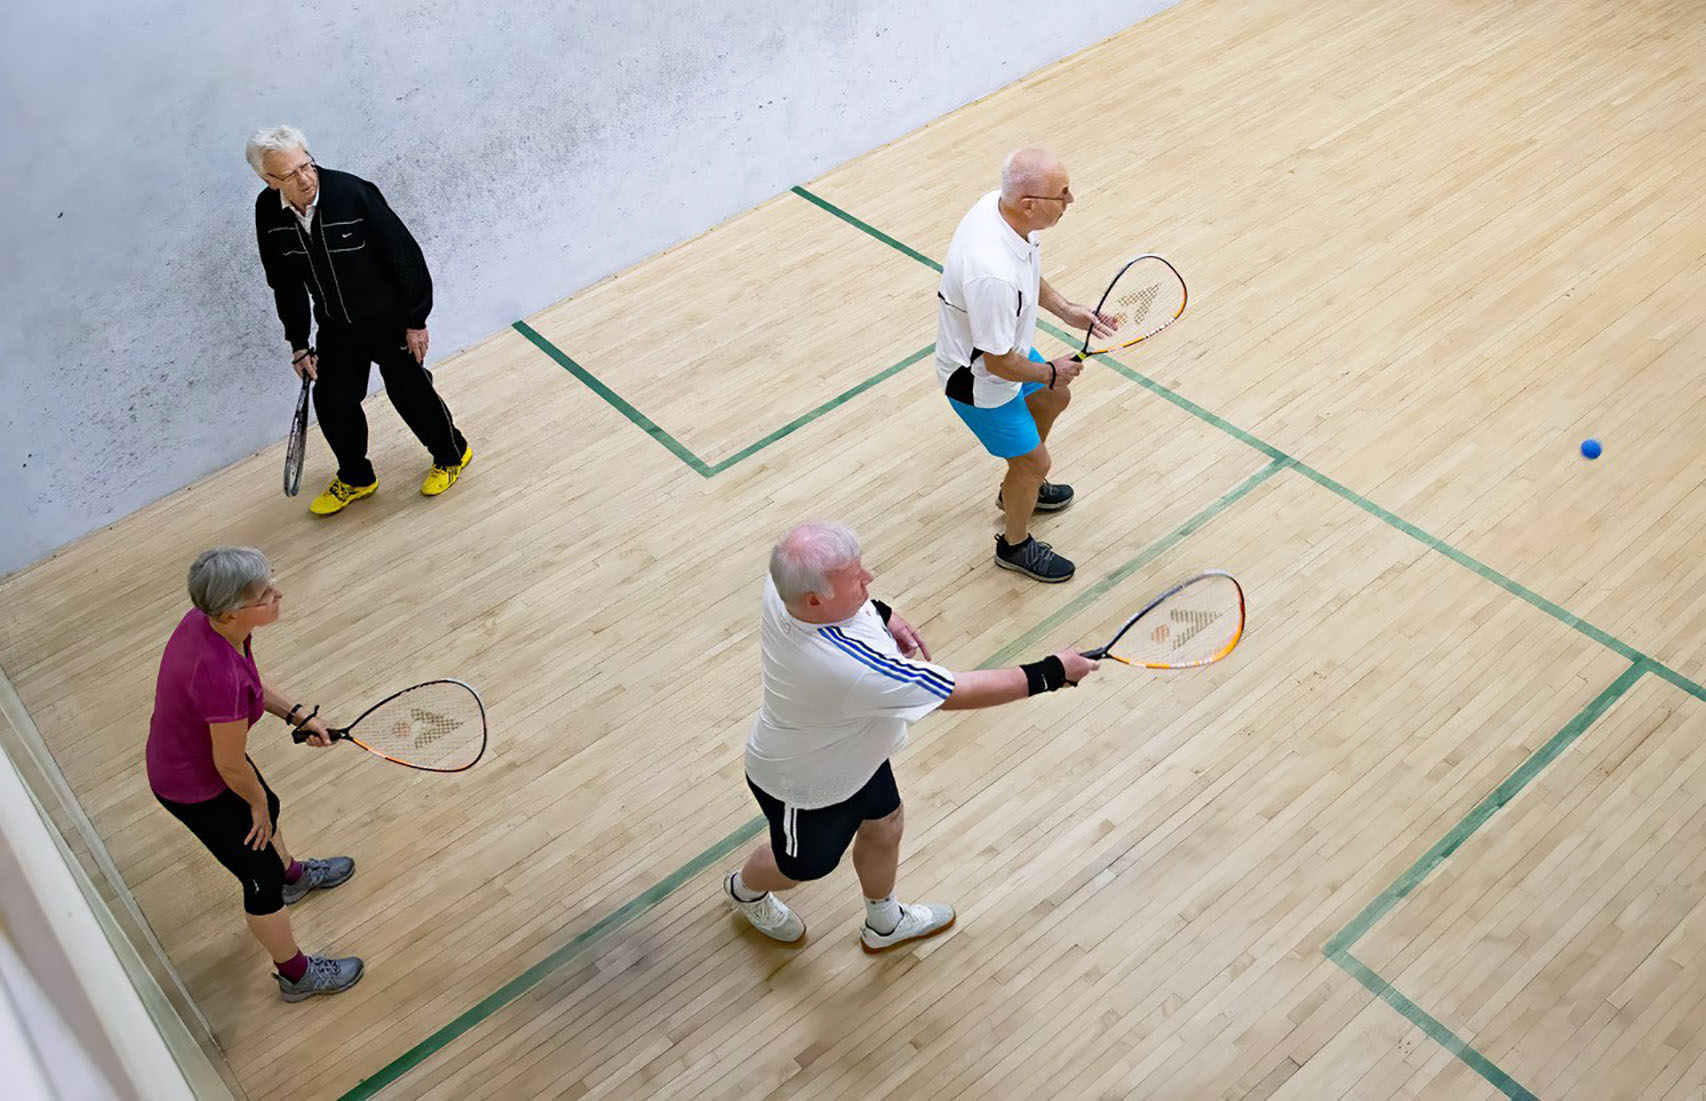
(223, 579)
(806, 554)
(273, 139)
(1026, 172)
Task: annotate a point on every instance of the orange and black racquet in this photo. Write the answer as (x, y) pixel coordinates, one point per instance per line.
(1196, 622)
(437, 726)
(1146, 295)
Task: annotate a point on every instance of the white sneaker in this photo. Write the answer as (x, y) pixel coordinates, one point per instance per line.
(769, 915)
(917, 921)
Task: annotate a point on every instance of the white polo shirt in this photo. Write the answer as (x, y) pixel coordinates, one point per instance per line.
(837, 701)
(986, 302)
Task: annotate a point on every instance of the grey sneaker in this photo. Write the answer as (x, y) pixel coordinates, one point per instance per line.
(1033, 559)
(917, 921)
(324, 976)
(319, 875)
(1051, 497)
(769, 915)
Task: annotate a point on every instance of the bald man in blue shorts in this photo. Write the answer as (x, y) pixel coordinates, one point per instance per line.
(1004, 391)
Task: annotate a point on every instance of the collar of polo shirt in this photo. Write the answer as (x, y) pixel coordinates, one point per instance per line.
(1021, 247)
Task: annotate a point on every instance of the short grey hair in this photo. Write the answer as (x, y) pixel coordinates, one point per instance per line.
(1025, 171)
(805, 555)
(273, 139)
(225, 578)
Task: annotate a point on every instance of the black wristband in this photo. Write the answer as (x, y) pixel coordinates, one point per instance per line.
(1047, 675)
(1051, 376)
(882, 610)
(294, 708)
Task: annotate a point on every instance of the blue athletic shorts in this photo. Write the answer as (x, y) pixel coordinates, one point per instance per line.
(1006, 431)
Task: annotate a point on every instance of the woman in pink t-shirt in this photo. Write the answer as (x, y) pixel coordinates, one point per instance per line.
(209, 693)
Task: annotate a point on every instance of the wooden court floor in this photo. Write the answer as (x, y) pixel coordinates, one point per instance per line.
(1433, 831)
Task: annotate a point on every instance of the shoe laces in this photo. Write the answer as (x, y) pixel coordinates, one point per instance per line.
(341, 489)
(320, 967)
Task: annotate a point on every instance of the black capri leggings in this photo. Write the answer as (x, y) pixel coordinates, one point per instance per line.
(221, 823)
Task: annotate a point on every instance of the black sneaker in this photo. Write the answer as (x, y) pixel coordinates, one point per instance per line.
(1034, 560)
(1051, 497)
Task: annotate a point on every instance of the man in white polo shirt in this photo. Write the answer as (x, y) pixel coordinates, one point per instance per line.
(1005, 392)
(841, 685)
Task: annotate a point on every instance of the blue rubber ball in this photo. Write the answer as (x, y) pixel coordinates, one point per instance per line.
(1590, 449)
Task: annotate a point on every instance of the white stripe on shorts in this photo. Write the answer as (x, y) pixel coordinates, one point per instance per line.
(790, 830)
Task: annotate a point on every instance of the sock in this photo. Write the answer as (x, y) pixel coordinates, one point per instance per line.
(293, 873)
(293, 969)
(882, 914)
(745, 893)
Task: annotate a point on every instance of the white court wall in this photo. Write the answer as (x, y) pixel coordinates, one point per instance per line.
(533, 147)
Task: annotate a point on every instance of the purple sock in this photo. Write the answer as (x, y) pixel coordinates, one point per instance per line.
(293, 969)
(294, 872)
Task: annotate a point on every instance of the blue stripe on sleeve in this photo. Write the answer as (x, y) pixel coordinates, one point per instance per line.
(892, 667)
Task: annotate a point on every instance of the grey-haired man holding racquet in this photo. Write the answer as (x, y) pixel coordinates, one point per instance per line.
(844, 676)
(1004, 391)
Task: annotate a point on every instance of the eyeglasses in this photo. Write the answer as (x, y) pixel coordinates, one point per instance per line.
(1066, 198)
(301, 174)
(272, 596)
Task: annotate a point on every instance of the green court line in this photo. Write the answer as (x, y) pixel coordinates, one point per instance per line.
(1338, 947)
(588, 379)
(530, 978)
(675, 446)
(819, 201)
(806, 418)
(1344, 492)
(1440, 1034)
(655, 894)
(1485, 809)
(1095, 592)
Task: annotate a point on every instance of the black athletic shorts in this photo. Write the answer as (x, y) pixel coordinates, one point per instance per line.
(221, 823)
(808, 843)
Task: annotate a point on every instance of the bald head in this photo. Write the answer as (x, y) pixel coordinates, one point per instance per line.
(1035, 189)
(1029, 172)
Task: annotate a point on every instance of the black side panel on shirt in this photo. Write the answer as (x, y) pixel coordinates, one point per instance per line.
(960, 383)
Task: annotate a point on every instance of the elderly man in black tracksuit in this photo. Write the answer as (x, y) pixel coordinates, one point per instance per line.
(329, 237)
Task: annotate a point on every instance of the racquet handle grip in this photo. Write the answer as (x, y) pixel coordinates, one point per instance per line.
(300, 736)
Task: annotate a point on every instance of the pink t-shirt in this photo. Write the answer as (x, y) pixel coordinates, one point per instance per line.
(203, 680)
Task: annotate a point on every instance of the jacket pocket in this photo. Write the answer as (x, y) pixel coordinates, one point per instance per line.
(349, 236)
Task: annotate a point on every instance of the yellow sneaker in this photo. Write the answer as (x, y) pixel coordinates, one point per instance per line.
(338, 496)
(441, 478)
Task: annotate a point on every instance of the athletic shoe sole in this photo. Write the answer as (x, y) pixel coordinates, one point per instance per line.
(1016, 568)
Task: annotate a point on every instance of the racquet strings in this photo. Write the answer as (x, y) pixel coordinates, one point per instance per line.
(296, 449)
(1146, 297)
(439, 726)
(1197, 623)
